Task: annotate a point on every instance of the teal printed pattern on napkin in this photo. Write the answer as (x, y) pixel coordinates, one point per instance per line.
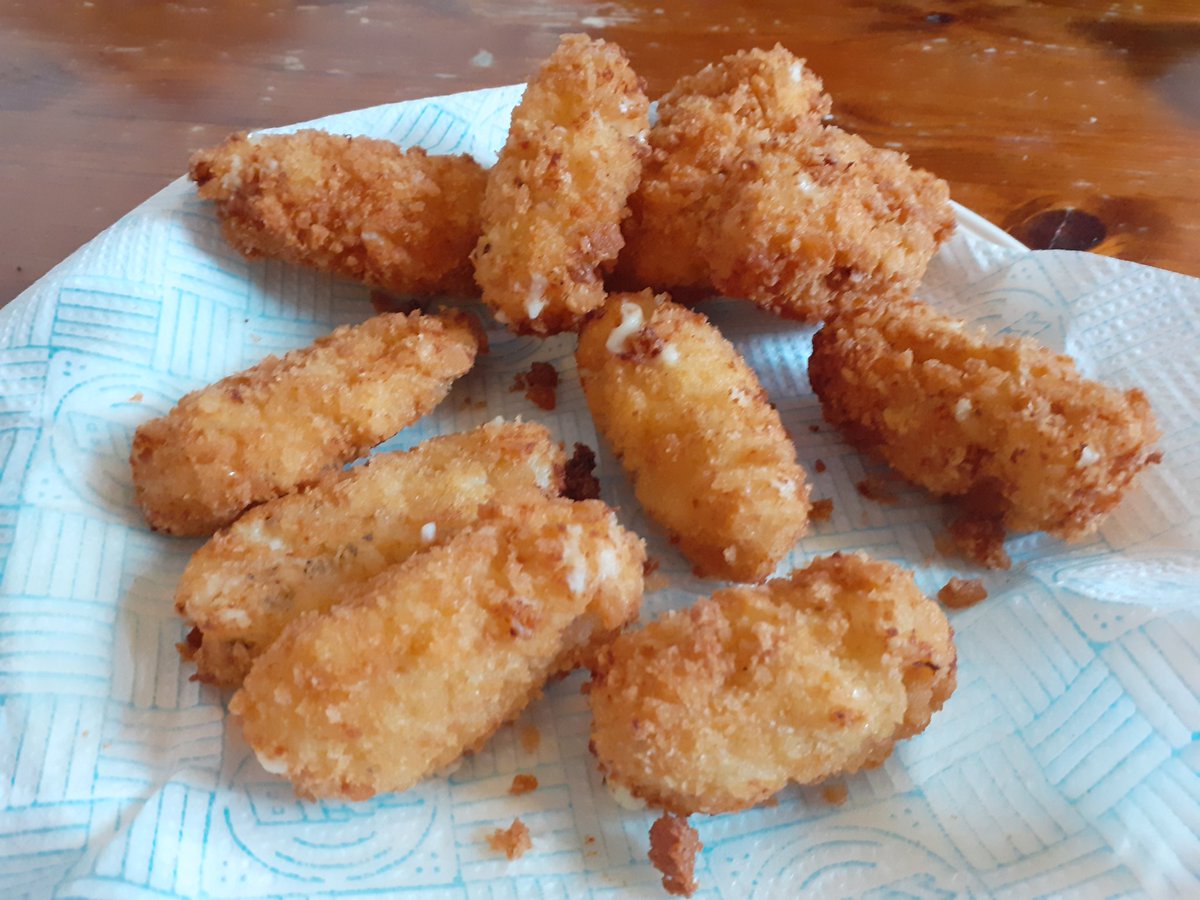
(1065, 764)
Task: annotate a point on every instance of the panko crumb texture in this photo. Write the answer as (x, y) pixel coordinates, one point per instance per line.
(555, 199)
(673, 848)
(300, 552)
(749, 193)
(425, 661)
(716, 708)
(1011, 429)
(513, 841)
(362, 208)
(686, 415)
(284, 423)
(705, 122)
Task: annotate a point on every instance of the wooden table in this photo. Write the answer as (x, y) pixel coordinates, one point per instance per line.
(1071, 124)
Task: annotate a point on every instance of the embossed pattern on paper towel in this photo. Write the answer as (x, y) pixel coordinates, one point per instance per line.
(1066, 762)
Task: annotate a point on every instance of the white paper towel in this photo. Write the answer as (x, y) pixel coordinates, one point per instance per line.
(1065, 763)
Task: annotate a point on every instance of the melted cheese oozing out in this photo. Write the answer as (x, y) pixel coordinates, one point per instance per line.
(631, 323)
(624, 797)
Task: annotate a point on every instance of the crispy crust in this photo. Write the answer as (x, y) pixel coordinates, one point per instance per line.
(556, 197)
(299, 552)
(285, 422)
(692, 425)
(1008, 427)
(716, 708)
(513, 841)
(400, 220)
(747, 193)
(425, 661)
(705, 122)
(819, 219)
(673, 848)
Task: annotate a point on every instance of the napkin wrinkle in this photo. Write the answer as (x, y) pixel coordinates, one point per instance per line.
(1077, 677)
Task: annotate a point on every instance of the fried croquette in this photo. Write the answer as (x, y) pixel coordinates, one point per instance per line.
(705, 122)
(425, 661)
(693, 427)
(299, 552)
(285, 422)
(718, 707)
(747, 193)
(1006, 426)
(819, 219)
(555, 199)
(399, 220)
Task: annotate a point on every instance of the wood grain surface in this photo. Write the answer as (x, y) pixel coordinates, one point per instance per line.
(1070, 124)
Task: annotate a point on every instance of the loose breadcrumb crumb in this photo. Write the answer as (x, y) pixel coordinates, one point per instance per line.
(673, 848)
(513, 841)
(821, 511)
(581, 482)
(540, 385)
(980, 541)
(875, 488)
(835, 794)
(523, 784)
(961, 593)
(531, 739)
(819, 465)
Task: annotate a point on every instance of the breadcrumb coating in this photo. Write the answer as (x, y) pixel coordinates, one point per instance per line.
(425, 661)
(299, 552)
(747, 193)
(285, 422)
(1006, 426)
(673, 848)
(555, 199)
(820, 219)
(691, 424)
(513, 841)
(705, 123)
(962, 593)
(399, 220)
(716, 708)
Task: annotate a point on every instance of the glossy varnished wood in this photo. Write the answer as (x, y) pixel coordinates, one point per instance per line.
(1068, 123)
